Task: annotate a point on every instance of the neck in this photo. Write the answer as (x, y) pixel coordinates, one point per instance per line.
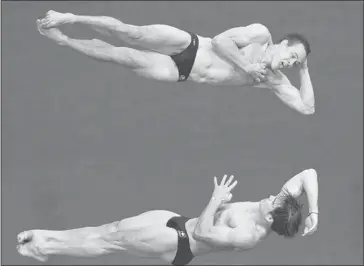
(268, 55)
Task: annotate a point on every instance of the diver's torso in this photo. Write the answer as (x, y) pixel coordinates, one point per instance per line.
(211, 68)
(230, 215)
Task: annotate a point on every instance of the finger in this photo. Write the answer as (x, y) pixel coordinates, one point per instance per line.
(305, 231)
(257, 79)
(229, 180)
(233, 185)
(262, 71)
(308, 232)
(215, 181)
(223, 180)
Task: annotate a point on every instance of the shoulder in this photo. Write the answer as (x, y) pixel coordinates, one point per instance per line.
(259, 28)
(255, 29)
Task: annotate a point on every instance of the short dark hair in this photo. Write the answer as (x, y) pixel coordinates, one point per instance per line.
(294, 38)
(288, 216)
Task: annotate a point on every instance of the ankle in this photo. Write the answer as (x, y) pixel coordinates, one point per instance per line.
(64, 40)
(72, 18)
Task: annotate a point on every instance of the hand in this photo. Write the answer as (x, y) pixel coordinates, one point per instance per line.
(304, 64)
(222, 191)
(257, 71)
(311, 224)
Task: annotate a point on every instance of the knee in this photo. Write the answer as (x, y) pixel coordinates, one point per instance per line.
(112, 22)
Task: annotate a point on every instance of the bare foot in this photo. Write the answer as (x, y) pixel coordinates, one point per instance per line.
(31, 244)
(53, 33)
(55, 19)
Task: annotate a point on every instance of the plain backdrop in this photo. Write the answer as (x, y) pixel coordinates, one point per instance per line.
(86, 143)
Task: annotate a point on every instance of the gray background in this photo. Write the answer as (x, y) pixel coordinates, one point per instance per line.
(87, 143)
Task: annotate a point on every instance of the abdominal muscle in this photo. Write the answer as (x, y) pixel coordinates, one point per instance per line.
(210, 68)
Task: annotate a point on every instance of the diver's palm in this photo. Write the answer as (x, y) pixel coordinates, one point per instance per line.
(257, 71)
(311, 224)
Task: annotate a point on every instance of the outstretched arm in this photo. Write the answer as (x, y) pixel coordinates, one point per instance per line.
(306, 181)
(302, 100)
(228, 43)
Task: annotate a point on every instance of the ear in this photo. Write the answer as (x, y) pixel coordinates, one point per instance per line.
(284, 42)
(269, 218)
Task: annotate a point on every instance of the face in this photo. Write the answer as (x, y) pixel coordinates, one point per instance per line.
(267, 205)
(288, 56)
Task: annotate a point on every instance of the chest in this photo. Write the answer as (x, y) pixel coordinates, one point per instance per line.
(254, 52)
(232, 216)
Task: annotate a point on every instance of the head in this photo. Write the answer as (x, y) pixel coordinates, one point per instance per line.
(282, 213)
(291, 51)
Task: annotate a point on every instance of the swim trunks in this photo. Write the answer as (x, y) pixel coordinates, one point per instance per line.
(185, 59)
(184, 254)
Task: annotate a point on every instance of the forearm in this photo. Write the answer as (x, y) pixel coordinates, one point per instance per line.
(206, 220)
(82, 242)
(310, 185)
(306, 90)
(228, 50)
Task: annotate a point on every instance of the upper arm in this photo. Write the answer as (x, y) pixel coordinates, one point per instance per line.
(288, 94)
(229, 237)
(294, 186)
(242, 36)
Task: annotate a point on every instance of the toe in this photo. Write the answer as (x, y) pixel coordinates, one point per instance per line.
(22, 250)
(25, 237)
(27, 251)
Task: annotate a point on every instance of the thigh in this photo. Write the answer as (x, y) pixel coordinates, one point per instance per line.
(157, 66)
(150, 218)
(163, 39)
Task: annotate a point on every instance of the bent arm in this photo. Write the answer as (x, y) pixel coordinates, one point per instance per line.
(228, 43)
(205, 224)
(302, 100)
(306, 181)
(221, 236)
(86, 242)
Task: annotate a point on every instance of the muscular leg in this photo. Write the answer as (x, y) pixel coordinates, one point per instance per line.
(144, 63)
(145, 235)
(160, 38)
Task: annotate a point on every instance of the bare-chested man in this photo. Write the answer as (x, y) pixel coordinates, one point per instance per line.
(239, 56)
(166, 235)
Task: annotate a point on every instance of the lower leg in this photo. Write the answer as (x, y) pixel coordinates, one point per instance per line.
(99, 50)
(85, 242)
(95, 49)
(160, 38)
(104, 24)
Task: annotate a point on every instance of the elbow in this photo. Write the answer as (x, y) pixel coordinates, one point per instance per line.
(204, 236)
(307, 110)
(262, 31)
(198, 235)
(218, 41)
(311, 173)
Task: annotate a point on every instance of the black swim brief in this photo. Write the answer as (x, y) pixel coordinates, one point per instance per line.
(184, 254)
(185, 59)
